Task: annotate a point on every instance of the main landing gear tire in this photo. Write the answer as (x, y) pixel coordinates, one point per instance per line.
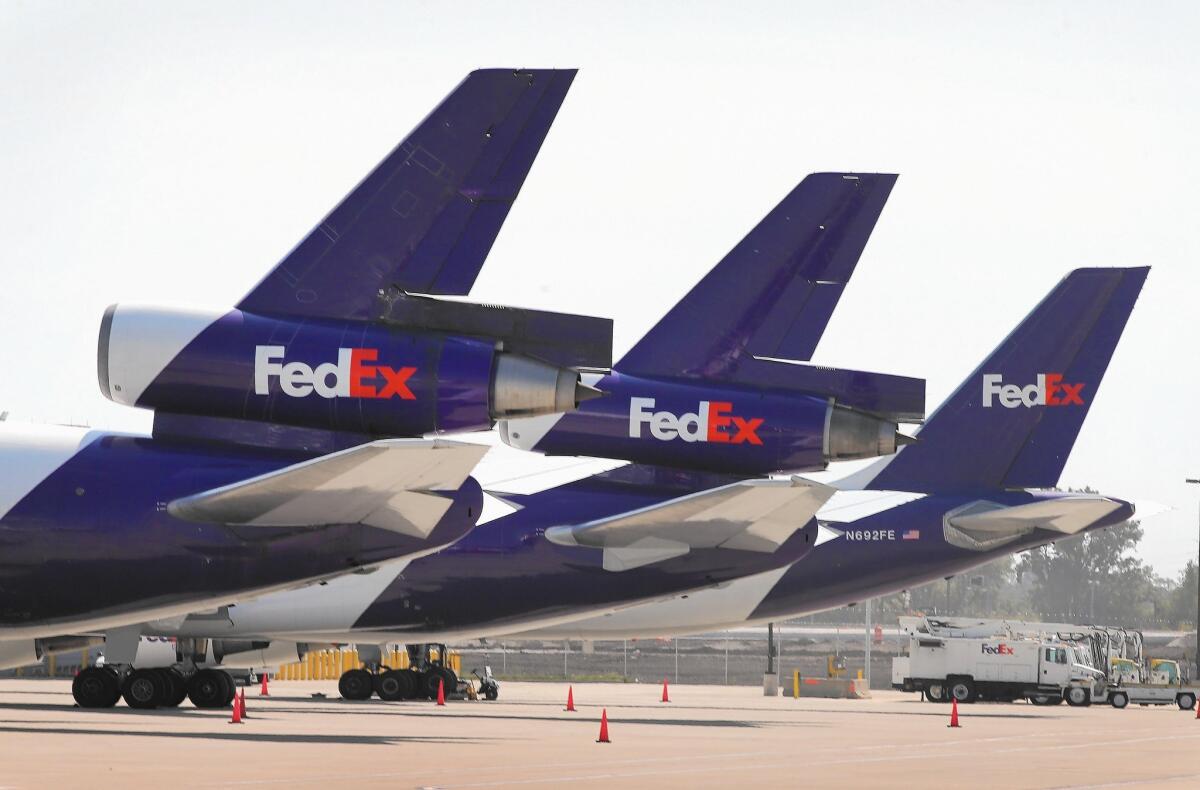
(357, 684)
(96, 687)
(1077, 697)
(145, 689)
(443, 674)
(230, 687)
(394, 685)
(210, 688)
(176, 688)
(415, 687)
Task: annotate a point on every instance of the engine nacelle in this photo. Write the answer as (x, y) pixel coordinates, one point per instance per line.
(713, 426)
(243, 654)
(19, 653)
(369, 378)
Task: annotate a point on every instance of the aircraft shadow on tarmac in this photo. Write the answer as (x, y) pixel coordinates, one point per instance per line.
(249, 736)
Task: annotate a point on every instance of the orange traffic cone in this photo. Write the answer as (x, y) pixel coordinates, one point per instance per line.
(236, 718)
(1198, 710)
(603, 727)
(665, 697)
(263, 691)
(441, 691)
(571, 699)
(954, 713)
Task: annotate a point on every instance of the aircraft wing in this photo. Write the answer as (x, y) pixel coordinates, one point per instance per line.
(1067, 515)
(390, 484)
(751, 515)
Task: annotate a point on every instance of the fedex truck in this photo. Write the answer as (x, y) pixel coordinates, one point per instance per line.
(1000, 668)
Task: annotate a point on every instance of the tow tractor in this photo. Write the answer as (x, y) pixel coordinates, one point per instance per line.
(1157, 682)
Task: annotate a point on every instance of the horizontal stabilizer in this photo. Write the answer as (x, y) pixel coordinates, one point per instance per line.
(751, 515)
(984, 525)
(895, 398)
(574, 341)
(391, 484)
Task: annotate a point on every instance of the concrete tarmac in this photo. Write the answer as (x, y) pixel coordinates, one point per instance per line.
(707, 736)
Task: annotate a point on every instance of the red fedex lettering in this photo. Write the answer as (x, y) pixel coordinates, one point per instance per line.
(718, 420)
(747, 430)
(397, 383)
(359, 371)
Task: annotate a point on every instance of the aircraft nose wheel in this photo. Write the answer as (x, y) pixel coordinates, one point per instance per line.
(96, 687)
(357, 684)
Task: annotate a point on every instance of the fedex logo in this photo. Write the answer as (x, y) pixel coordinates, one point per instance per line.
(711, 423)
(350, 377)
(1050, 390)
(999, 650)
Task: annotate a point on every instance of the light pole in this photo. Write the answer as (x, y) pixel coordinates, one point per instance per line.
(1196, 655)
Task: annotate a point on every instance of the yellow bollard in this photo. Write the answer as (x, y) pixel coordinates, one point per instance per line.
(860, 674)
(51, 665)
(796, 684)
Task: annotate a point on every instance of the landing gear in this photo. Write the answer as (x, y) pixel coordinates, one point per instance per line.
(420, 681)
(210, 688)
(357, 684)
(96, 687)
(440, 677)
(145, 689)
(395, 685)
(177, 687)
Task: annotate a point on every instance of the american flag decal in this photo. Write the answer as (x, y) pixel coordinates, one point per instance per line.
(912, 534)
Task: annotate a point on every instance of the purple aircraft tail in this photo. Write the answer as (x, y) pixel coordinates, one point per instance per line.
(761, 311)
(1013, 421)
(425, 218)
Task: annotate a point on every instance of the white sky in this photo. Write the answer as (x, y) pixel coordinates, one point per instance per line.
(172, 153)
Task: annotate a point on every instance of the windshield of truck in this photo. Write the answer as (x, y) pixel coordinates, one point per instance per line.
(1168, 668)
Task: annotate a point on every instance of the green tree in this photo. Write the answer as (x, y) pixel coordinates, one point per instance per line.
(1096, 577)
(1181, 603)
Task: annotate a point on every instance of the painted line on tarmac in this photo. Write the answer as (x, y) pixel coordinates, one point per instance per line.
(956, 748)
(1131, 782)
(648, 761)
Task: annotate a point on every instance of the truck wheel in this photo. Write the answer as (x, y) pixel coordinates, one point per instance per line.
(936, 693)
(1119, 699)
(1186, 701)
(963, 691)
(1076, 696)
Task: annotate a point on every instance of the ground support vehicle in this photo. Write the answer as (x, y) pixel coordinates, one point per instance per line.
(1000, 669)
